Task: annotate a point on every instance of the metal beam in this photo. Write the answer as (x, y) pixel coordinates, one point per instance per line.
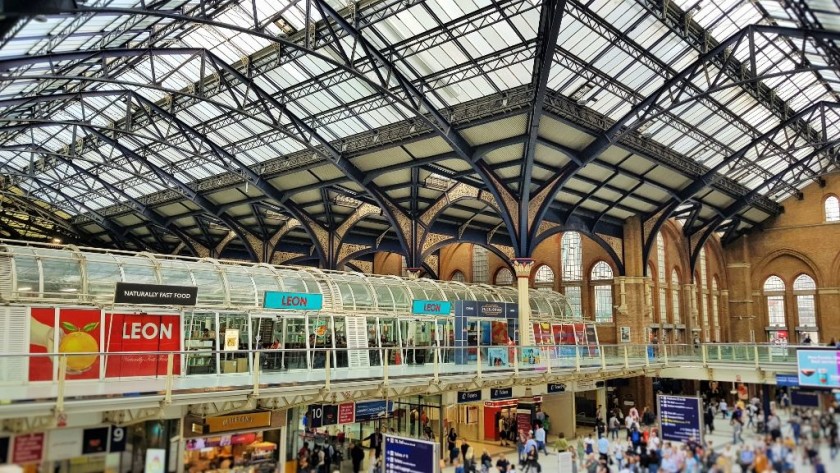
(133, 204)
(551, 16)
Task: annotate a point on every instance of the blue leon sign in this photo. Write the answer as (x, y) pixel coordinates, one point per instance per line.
(407, 455)
(431, 307)
(293, 300)
(680, 418)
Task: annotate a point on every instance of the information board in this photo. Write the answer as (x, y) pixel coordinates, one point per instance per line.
(408, 455)
(680, 418)
(818, 368)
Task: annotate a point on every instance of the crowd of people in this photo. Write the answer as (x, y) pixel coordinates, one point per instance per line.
(786, 440)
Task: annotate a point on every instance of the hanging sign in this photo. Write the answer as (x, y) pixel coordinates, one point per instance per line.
(469, 396)
(293, 300)
(346, 413)
(403, 454)
(501, 393)
(155, 294)
(556, 388)
(28, 448)
(422, 307)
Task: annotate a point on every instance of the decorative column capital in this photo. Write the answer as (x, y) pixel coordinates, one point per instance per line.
(522, 267)
(414, 273)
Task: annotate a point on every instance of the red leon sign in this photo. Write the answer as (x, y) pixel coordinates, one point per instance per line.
(138, 334)
(346, 413)
(28, 448)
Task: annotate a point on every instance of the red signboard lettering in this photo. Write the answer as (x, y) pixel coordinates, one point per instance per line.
(346, 413)
(294, 301)
(28, 448)
(138, 334)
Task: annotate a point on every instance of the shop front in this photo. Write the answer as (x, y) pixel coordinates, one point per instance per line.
(242, 442)
(486, 328)
(480, 415)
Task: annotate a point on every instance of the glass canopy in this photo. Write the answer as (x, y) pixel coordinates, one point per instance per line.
(71, 276)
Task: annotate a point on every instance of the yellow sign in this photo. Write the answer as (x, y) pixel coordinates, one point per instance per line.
(244, 421)
(231, 340)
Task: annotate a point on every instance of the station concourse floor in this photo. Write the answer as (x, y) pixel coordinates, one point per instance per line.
(721, 438)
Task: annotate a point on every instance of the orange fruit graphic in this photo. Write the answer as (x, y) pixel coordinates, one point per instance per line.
(79, 342)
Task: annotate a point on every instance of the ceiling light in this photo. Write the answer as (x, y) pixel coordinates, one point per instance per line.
(40, 18)
(25, 289)
(438, 182)
(56, 240)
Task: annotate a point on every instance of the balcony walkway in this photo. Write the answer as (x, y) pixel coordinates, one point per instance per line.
(286, 388)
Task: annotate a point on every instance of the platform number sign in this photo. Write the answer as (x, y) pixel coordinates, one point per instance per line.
(117, 439)
(323, 415)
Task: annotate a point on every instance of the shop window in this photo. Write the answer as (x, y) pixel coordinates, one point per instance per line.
(602, 276)
(675, 297)
(504, 277)
(832, 209)
(458, 276)
(480, 265)
(805, 289)
(774, 290)
(544, 277)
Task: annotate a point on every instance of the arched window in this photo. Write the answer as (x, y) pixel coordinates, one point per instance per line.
(602, 276)
(774, 289)
(661, 275)
(481, 268)
(715, 309)
(571, 256)
(504, 277)
(458, 276)
(832, 209)
(703, 293)
(675, 297)
(659, 303)
(804, 288)
(544, 277)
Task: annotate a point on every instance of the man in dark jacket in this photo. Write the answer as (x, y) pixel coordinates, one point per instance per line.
(357, 455)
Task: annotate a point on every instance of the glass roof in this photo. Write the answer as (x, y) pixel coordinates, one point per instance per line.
(61, 107)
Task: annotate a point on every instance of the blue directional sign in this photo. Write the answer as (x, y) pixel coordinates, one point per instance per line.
(422, 307)
(787, 380)
(293, 300)
(369, 410)
(408, 455)
(680, 418)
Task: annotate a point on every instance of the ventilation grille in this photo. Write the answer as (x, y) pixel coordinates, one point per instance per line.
(5, 277)
(14, 339)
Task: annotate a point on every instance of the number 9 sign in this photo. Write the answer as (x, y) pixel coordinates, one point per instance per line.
(117, 439)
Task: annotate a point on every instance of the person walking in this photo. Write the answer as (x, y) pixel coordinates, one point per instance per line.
(614, 426)
(539, 436)
(357, 455)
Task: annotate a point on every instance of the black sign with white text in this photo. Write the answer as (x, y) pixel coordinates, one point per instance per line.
(501, 393)
(155, 294)
(117, 439)
(556, 388)
(469, 396)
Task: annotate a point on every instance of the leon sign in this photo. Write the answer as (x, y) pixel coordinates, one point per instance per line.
(293, 300)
